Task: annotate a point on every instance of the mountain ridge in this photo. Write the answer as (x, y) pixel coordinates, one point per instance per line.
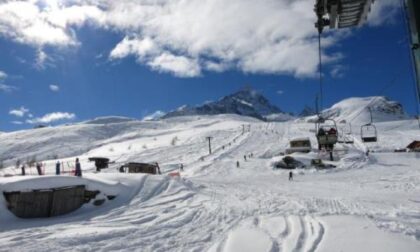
(246, 102)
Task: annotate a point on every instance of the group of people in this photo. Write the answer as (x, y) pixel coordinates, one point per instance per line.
(77, 171)
(331, 131)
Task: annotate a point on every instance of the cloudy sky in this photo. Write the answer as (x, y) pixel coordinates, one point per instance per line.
(71, 60)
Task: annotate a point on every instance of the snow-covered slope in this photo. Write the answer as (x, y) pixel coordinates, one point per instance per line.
(367, 203)
(357, 110)
(246, 102)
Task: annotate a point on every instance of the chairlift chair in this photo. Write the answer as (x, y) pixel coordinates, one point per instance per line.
(326, 133)
(346, 132)
(368, 133)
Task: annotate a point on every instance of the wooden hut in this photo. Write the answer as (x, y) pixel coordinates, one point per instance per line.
(140, 168)
(100, 162)
(414, 146)
(45, 202)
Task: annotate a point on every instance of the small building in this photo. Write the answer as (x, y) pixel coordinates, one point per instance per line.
(45, 202)
(140, 168)
(414, 146)
(100, 162)
(299, 145)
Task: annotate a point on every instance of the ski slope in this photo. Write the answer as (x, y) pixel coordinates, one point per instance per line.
(367, 203)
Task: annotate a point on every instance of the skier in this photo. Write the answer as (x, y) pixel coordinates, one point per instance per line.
(290, 176)
(78, 171)
(38, 168)
(237, 164)
(245, 157)
(57, 168)
(23, 170)
(181, 168)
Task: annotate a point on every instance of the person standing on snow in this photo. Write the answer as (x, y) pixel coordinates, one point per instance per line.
(57, 168)
(290, 176)
(38, 169)
(23, 170)
(78, 171)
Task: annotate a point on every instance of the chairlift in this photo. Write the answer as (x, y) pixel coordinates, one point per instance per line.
(346, 132)
(368, 133)
(326, 133)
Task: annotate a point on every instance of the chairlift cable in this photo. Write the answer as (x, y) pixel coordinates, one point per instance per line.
(371, 117)
(413, 71)
(321, 97)
(390, 84)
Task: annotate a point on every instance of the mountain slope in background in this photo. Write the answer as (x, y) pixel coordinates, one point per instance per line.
(109, 119)
(245, 102)
(356, 110)
(307, 111)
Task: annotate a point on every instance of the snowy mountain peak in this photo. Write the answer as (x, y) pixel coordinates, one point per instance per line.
(307, 111)
(246, 102)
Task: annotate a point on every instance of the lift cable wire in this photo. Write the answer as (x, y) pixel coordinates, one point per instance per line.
(321, 96)
(382, 91)
(413, 70)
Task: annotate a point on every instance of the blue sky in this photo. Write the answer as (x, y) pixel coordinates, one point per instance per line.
(60, 64)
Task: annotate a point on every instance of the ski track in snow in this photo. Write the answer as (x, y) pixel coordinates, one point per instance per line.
(219, 207)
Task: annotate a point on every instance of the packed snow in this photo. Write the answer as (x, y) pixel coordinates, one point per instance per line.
(367, 203)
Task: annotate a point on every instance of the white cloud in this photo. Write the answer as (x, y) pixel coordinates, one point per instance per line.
(185, 38)
(20, 112)
(156, 115)
(338, 71)
(3, 75)
(52, 117)
(383, 12)
(7, 88)
(178, 65)
(133, 45)
(280, 92)
(54, 88)
(42, 60)
(40, 23)
(17, 122)
(4, 87)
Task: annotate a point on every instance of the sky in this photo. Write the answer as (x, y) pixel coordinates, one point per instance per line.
(64, 61)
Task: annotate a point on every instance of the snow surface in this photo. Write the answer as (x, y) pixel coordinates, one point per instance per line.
(367, 203)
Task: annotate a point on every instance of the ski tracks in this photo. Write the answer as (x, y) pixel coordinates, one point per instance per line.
(275, 233)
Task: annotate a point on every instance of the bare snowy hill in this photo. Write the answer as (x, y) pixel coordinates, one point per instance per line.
(109, 119)
(245, 102)
(357, 110)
